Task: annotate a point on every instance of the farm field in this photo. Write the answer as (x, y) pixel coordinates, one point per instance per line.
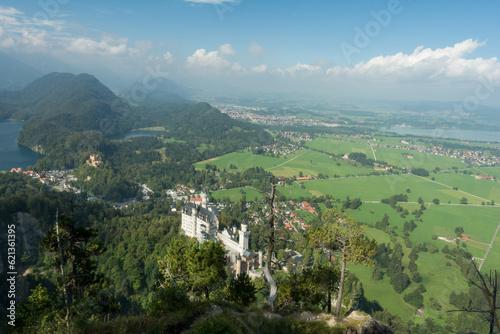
(312, 163)
(439, 275)
(493, 171)
(487, 189)
(375, 188)
(235, 194)
(397, 157)
(337, 146)
(243, 161)
(478, 222)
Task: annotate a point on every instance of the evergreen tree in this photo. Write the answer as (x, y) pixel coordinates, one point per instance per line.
(344, 235)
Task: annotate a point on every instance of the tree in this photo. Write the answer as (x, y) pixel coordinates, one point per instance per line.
(346, 236)
(488, 285)
(241, 290)
(463, 200)
(198, 268)
(436, 201)
(72, 245)
(459, 230)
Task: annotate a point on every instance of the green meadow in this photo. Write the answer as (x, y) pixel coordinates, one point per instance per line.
(487, 189)
(393, 156)
(235, 194)
(439, 275)
(376, 188)
(312, 163)
(244, 160)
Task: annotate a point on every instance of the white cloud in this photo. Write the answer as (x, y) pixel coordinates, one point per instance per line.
(238, 68)
(169, 58)
(255, 49)
(203, 60)
(226, 50)
(9, 11)
(259, 68)
(302, 68)
(425, 64)
(107, 46)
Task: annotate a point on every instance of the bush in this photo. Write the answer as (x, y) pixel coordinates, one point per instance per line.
(414, 298)
(168, 299)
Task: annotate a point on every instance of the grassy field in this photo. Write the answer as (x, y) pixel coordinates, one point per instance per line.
(487, 189)
(397, 157)
(439, 275)
(394, 157)
(235, 194)
(312, 163)
(375, 188)
(244, 160)
(336, 145)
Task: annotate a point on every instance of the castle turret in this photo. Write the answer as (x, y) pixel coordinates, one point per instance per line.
(203, 199)
(243, 242)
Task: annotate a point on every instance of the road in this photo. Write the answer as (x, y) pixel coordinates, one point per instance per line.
(491, 245)
(287, 161)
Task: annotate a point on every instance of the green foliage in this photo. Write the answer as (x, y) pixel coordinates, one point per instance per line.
(241, 290)
(36, 311)
(309, 288)
(198, 268)
(394, 199)
(420, 171)
(414, 298)
(346, 236)
(78, 251)
(400, 281)
(168, 299)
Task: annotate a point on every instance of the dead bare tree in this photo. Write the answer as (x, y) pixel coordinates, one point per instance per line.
(488, 284)
(273, 291)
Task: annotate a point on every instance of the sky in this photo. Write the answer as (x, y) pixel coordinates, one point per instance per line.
(390, 50)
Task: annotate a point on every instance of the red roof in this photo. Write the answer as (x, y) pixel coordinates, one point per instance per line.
(199, 199)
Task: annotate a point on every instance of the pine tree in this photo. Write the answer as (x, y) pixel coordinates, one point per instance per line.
(346, 236)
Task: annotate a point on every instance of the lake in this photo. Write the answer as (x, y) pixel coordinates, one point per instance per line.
(141, 133)
(11, 153)
(486, 136)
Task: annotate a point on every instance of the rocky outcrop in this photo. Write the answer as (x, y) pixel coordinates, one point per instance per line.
(370, 327)
(27, 240)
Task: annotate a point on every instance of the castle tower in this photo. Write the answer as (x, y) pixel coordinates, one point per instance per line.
(243, 241)
(203, 199)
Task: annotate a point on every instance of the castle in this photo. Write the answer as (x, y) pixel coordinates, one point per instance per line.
(200, 221)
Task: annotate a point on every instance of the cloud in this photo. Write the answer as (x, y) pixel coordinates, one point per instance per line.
(207, 61)
(302, 68)
(169, 58)
(107, 46)
(255, 49)
(213, 2)
(426, 64)
(259, 68)
(226, 50)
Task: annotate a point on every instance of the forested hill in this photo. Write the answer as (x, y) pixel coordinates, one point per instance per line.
(67, 117)
(202, 124)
